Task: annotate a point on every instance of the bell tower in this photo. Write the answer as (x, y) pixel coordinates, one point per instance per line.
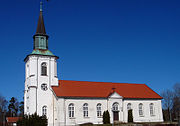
(40, 74)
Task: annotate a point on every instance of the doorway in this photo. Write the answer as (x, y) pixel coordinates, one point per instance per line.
(115, 110)
(116, 115)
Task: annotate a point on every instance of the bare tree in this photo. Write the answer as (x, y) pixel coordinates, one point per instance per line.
(168, 97)
(3, 104)
(176, 101)
(176, 88)
(3, 109)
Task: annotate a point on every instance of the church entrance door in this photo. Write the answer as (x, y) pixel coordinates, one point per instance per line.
(116, 115)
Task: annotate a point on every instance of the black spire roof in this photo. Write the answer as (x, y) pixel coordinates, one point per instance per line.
(40, 27)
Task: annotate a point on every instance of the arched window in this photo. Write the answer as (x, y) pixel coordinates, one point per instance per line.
(115, 107)
(44, 110)
(85, 110)
(99, 114)
(128, 106)
(43, 69)
(151, 107)
(140, 109)
(71, 110)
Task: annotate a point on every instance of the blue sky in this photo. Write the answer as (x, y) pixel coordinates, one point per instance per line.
(131, 41)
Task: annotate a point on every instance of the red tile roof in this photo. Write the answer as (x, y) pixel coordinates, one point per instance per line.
(69, 88)
(12, 119)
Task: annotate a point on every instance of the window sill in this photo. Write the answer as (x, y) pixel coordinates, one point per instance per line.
(86, 117)
(141, 116)
(99, 117)
(152, 115)
(72, 118)
(44, 75)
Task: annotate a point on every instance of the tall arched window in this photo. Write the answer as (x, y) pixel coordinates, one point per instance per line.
(140, 109)
(71, 110)
(115, 107)
(99, 111)
(43, 69)
(44, 110)
(128, 106)
(85, 110)
(151, 107)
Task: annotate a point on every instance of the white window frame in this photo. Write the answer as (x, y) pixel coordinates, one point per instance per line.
(44, 110)
(115, 106)
(85, 110)
(129, 106)
(141, 113)
(151, 109)
(71, 110)
(99, 110)
(44, 69)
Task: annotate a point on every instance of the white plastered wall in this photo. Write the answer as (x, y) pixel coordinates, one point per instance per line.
(35, 98)
(64, 119)
(157, 117)
(78, 103)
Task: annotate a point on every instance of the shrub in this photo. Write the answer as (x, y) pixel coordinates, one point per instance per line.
(32, 120)
(86, 124)
(106, 117)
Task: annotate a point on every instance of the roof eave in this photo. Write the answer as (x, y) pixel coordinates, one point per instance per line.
(39, 55)
(143, 98)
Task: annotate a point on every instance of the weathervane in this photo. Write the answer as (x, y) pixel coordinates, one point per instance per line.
(41, 5)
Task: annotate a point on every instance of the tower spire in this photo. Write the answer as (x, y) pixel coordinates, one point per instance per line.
(41, 38)
(41, 27)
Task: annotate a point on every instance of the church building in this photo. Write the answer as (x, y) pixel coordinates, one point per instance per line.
(67, 103)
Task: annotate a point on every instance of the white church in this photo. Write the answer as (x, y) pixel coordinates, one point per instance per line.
(67, 103)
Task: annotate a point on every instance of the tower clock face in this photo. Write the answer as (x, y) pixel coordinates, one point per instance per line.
(44, 87)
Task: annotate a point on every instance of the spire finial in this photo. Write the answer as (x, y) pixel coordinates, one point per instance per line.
(41, 4)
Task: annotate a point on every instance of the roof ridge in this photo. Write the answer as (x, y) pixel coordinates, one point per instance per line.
(104, 82)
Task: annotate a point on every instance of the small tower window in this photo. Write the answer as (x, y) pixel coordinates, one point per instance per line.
(41, 44)
(44, 110)
(44, 69)
(55, 69)
(44, 87)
